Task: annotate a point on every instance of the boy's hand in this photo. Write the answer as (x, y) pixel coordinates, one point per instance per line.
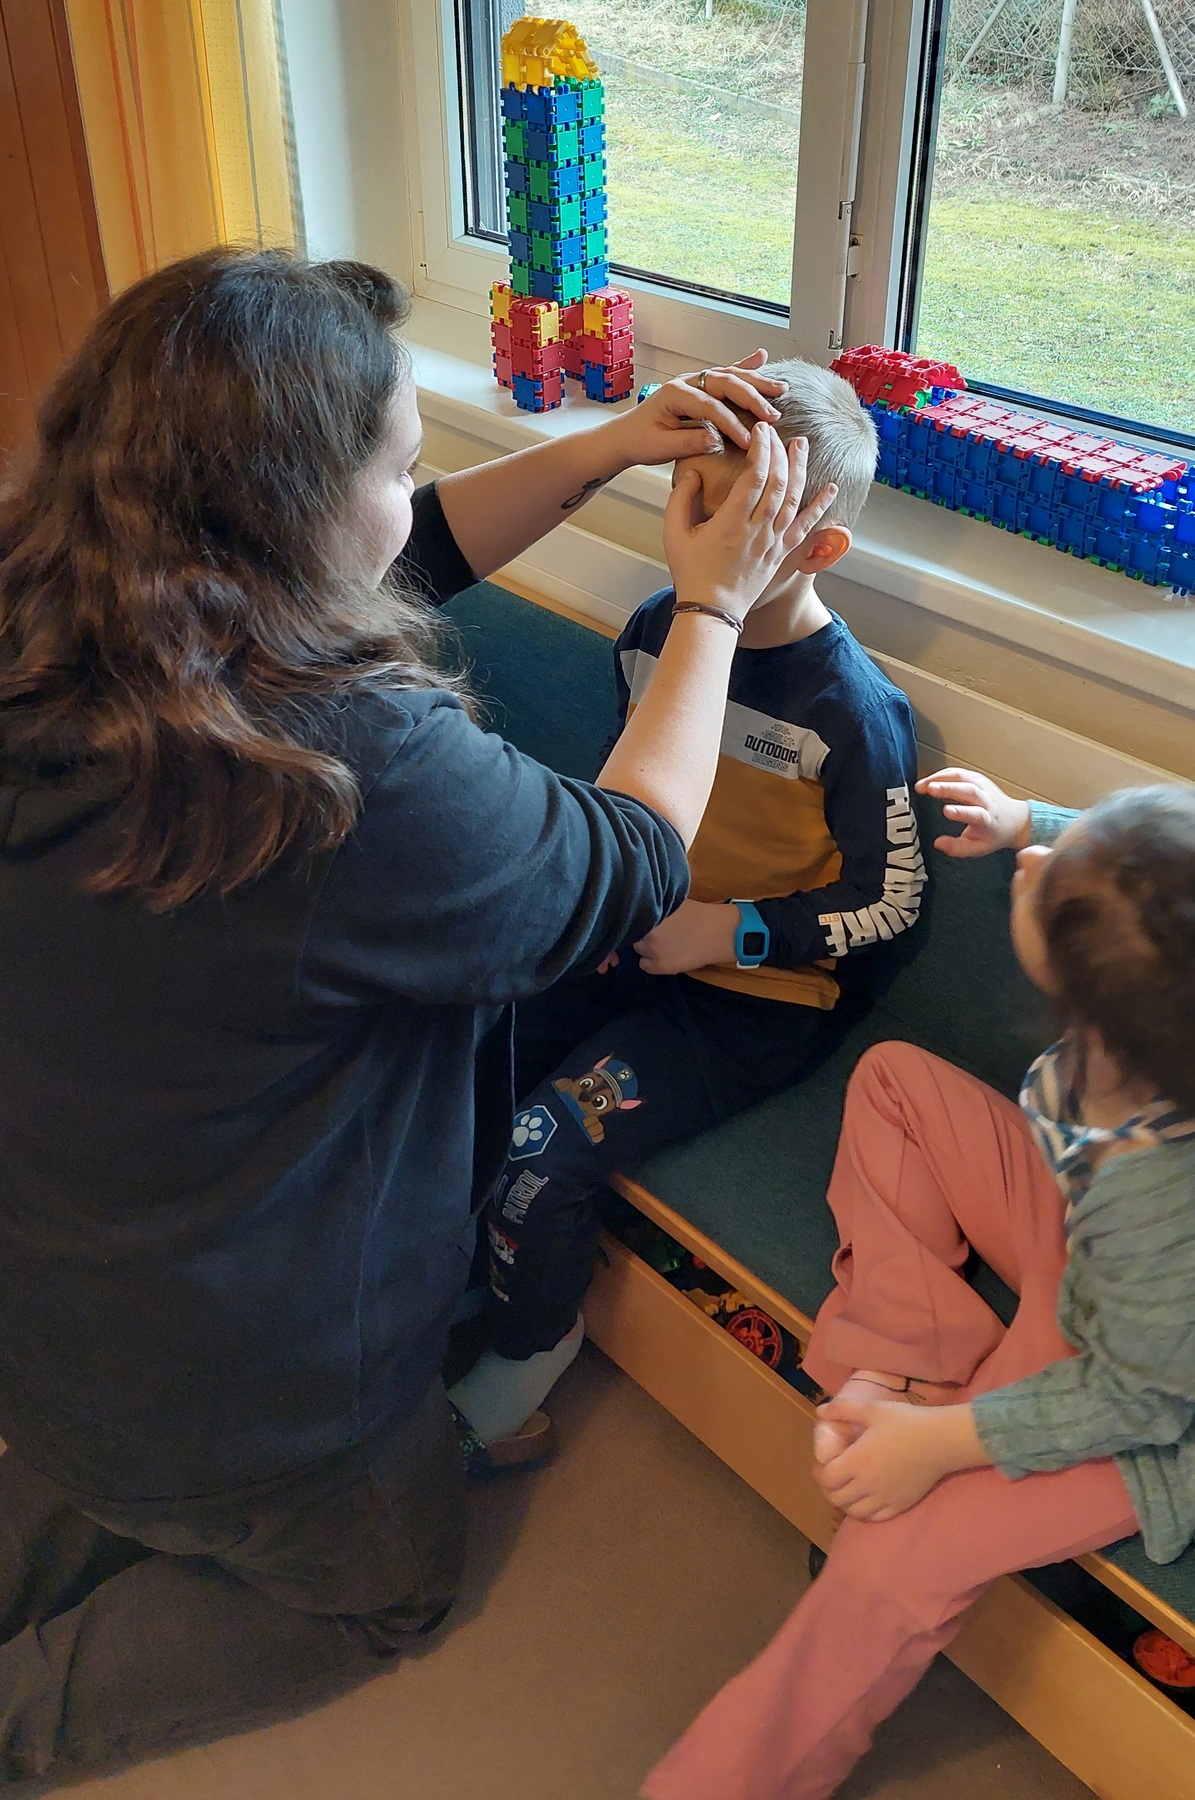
(729, 560)
(900, 1453)
(991, 820)
(697, 934)
(684, 419)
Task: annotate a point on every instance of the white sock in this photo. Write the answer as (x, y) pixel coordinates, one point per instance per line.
(498, 1396)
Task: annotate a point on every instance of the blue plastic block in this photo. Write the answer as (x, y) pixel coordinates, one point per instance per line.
(526, 391)
(543, 284)
(1071, 530)
(516, 176)
(1113, 503)
(594, 209)
(1004, 507)
(539, 215)
(1108, 546)
(1148, 558)
(537, 107)
(974, 496)
(537, 145)
(1150, 513)
(600, 382)
(597, 275)
(513, 103)
(593, 138)
(520, 246)
(886, 468)
(945, 487)
(571, 251)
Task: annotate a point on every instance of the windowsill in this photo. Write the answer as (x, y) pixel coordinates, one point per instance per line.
(1014, 591)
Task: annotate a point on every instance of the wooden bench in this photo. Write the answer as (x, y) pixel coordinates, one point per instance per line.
(748, 1199)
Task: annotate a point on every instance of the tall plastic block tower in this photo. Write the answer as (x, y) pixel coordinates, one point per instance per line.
(557, 316)
(1115, 504)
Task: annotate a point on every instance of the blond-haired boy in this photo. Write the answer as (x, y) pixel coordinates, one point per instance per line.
(807, 856)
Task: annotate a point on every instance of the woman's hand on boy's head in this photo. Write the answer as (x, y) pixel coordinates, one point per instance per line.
(683, 418)
(728, 560)
(991, 819)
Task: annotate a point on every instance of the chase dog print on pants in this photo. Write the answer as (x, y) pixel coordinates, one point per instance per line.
(610, 1086)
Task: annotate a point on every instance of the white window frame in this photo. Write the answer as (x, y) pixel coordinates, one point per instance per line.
(455, 269)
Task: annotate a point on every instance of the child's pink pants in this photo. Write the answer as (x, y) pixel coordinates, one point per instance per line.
(931, 1162)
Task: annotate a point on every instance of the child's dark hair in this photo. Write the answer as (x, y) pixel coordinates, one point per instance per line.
(171, 609)
(1117, 909)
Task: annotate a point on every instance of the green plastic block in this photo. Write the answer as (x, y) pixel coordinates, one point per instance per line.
(571, 285)
(541, 250)
(514, 133)
(538, 185)
(518, 212)
(595, 244)
(520, 277)
(593, 174)
(569, 212)
(567, 143)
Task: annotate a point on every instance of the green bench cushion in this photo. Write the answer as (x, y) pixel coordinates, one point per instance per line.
(757, 1183)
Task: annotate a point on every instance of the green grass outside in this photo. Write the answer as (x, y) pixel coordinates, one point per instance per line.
(1084, 306)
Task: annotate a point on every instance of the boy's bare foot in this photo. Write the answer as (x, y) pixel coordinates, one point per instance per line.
(830, 1439)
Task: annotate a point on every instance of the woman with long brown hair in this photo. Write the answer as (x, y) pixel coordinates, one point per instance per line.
(267, 893)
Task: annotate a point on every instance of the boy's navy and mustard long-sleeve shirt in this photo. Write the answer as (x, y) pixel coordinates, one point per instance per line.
(811, 813)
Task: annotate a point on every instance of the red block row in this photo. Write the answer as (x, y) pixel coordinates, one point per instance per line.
(892, 376)
(1079, 452)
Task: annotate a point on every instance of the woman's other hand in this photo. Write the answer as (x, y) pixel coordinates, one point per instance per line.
(991, 819)
(729, 560)
(691, 414)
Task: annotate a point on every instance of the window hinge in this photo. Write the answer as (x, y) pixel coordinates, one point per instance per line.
(854, 259)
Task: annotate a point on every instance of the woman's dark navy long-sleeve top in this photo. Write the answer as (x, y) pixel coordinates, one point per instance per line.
(240, 1142)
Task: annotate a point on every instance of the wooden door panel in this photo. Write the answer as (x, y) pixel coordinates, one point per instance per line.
(52, 283)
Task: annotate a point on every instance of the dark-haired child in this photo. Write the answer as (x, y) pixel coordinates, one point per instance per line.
(959, 1450)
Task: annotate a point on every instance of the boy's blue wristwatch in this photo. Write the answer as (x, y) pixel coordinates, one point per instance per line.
(752, 940)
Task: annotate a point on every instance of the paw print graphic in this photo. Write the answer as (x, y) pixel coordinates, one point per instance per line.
(532, 1130)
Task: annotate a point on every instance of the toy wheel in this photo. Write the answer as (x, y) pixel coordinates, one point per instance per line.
(759, 1333)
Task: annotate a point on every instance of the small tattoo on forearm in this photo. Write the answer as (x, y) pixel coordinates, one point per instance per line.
(583, 494)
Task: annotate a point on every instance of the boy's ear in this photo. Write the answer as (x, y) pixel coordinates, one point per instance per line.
(824, 547)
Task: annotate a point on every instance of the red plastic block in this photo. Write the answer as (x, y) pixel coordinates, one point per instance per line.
(536, 360)
(608, 309)
(503, 369)
(573, 350)
(500, 338)
(611, 351)
(534, 321)
(892, 377)
(572, 319)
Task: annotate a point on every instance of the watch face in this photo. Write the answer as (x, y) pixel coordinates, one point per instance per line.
(752, 943)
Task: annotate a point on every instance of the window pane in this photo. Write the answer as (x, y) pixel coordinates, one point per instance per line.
(703, 103)
(1060, 243)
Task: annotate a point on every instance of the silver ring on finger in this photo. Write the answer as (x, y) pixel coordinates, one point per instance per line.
(699, 380)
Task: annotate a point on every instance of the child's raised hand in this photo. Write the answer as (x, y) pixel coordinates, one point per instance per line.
(990, 818)
(690, 415)
(899, 1454)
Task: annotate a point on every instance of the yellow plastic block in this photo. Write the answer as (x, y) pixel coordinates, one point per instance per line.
(535, 52)
(501, 294)
(595, 315)
(541, 316)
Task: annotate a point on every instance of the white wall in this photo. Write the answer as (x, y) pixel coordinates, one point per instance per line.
(343, 60)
